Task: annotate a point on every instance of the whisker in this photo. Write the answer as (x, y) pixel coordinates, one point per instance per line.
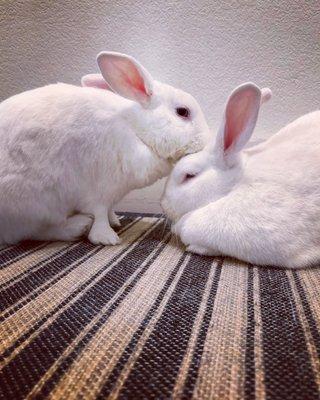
(176, 239)
(164, 226)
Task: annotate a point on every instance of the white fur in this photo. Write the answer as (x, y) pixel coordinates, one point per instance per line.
(263, 208)
(68, 154)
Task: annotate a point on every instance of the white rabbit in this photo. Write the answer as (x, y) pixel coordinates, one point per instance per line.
(68, 153)
(260, 205)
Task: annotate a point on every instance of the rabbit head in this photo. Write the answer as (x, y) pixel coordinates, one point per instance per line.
(167, 120)
(210, 174)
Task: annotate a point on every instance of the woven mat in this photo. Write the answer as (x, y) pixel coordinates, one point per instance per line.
(145, 320)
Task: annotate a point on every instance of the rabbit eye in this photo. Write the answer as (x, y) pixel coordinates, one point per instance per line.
(188, 177)
(183, 112)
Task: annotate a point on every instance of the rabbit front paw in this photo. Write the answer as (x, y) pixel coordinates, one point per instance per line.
(103, 237)
(194, 235)
(184, 229)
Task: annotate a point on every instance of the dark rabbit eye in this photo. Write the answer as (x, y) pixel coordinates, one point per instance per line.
(183, 112)
(187, 177)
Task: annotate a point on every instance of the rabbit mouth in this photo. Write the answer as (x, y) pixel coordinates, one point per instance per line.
(177, 152)
(190, 148)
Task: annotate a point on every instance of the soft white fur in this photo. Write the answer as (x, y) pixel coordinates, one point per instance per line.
(68, 153)
(261, 205)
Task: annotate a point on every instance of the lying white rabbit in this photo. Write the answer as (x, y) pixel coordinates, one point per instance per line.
(260, 205)
(68, 153)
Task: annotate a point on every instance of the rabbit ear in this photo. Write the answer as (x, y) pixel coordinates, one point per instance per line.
(96, 81)
(126, 76)
(239, 120)
(266, 95)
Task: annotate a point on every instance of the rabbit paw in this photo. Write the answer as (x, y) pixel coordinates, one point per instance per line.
(194, 235)
(181, 228)
(104, 237)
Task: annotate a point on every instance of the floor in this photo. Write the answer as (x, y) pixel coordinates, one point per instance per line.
(146, 320)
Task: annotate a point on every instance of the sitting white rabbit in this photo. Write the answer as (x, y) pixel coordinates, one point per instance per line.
(68, 153)
(260, 205)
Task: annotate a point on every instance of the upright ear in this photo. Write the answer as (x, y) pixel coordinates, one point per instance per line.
(126, 76)
(96, 81)
(239, 121)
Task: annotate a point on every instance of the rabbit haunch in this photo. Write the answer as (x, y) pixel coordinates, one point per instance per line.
(260, 205)
(68, 153)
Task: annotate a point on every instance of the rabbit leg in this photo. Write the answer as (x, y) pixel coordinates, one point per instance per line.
(113, 219)
(72, 229)
(101, 231)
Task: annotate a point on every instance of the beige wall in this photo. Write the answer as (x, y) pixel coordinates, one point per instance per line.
(205, 47)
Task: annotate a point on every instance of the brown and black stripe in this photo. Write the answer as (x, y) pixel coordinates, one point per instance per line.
(147, 320)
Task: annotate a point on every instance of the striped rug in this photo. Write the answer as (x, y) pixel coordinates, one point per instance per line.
(146, 320)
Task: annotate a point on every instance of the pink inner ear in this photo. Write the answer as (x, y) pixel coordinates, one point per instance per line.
(132, 77)
(138, 84)
(238, 113)
(126, 77)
